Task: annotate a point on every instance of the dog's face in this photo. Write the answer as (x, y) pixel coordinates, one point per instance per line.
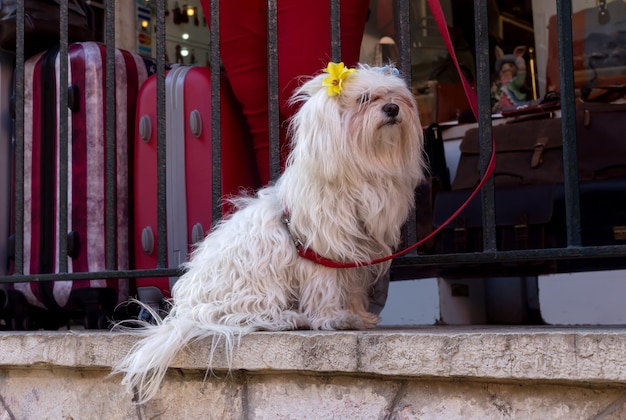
(371, 126)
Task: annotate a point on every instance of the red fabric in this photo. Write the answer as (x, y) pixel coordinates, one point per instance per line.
(303, 49)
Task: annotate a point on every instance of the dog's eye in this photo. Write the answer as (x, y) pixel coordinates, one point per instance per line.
(367, 98)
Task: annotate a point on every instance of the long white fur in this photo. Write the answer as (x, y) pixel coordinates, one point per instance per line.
(348, 187)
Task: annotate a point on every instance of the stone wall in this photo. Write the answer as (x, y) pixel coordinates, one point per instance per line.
(436, 372)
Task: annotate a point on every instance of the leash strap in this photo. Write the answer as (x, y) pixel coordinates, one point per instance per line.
(440, 20)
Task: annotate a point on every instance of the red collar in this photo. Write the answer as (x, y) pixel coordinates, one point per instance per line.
(311, 255)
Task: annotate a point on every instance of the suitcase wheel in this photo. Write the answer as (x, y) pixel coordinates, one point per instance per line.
(195, 123)
(23, 323)
(145, 128)
(150, 297)
(97, 305)
(18, 314)
(98, 320)
(147, 240)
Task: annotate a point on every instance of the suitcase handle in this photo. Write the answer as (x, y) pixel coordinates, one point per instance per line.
(73, 244)
(73, 95)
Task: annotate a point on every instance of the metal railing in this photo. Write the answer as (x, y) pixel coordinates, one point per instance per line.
(408, 265)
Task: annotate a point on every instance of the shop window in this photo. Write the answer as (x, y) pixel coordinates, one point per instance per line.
(516, 28)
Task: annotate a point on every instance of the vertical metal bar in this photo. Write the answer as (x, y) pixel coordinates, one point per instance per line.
(568, 121)
(335, 31)
(110, 138)
(484, 121)
(403, 22)
(160, 137)
(402, 17)
(19, 140)
(63, 138)
(216, 133)
(272, 88)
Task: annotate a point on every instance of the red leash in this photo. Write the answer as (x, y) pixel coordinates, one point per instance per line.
(440, 20)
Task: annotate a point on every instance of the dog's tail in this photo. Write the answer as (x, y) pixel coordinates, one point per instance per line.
(146, 363)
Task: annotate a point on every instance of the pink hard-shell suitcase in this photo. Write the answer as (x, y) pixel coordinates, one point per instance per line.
(189, 169)
(6, 128)
(92, 299)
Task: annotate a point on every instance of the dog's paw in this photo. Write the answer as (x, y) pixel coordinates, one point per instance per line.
(343, 320)
(295, 320)
(369, 320)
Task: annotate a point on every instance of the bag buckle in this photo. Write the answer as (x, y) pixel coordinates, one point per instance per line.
(537, 157)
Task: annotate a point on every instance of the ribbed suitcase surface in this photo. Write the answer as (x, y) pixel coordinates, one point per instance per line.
(189, 166)
(86, 171)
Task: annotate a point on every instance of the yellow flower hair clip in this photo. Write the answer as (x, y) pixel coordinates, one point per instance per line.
(337, 73)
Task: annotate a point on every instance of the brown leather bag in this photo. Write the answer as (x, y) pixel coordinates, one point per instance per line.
(601, 134)
(521, 215)
(41, 24)
(530, 152)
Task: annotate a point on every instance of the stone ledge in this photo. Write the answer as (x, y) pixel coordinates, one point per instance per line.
(588, 355)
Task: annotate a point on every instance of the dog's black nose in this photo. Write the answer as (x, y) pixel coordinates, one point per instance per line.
(391, 110)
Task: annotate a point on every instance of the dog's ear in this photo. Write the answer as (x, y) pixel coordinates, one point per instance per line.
(308, 88)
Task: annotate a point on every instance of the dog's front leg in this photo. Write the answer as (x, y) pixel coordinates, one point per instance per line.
(324, 300)
(357, 304)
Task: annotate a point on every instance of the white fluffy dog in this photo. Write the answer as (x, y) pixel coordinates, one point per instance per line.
(345, 193)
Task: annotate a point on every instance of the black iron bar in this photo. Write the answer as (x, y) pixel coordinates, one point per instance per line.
(335, 31)
(216, 126)
(513, 256)
(403, 38)
(18, 238)
(110, 140)
(273, 89)
(160, 136)
(568, 120)
(483, 83)
(608, 251)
